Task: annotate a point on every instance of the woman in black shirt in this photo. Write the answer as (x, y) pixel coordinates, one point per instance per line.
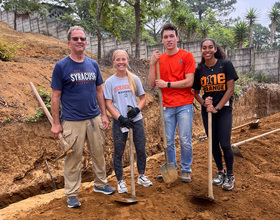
(216, 75)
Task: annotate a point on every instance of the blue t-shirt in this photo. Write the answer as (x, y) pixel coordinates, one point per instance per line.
(78, 82)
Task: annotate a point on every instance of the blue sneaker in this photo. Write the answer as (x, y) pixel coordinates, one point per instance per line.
(73, 202)
(106, 190)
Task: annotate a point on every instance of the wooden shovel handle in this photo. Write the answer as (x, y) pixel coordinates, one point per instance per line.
(161, 109)
(46, 111)
(210, 185)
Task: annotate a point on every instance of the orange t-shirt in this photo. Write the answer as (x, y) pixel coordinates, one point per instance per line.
(173, 68)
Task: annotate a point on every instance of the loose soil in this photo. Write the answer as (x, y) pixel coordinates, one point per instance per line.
(27, 191)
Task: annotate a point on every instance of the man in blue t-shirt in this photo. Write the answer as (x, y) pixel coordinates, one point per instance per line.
(76, 84)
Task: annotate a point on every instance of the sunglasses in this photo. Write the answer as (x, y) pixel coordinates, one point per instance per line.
(77, 38)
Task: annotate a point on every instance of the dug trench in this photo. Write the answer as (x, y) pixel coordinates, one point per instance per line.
(25, 146)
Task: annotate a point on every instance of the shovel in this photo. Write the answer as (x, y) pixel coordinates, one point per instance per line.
(168, 170)
(235, 148)
(133, 191)
(67, 148)
(210, 195)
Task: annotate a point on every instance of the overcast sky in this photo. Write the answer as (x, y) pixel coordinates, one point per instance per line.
(262, 7)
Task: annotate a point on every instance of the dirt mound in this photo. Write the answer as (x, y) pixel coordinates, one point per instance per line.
(26, 146)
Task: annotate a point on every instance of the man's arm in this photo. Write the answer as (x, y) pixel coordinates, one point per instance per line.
(55, 104)
(185, 83)
(102, 107)
(152, 72)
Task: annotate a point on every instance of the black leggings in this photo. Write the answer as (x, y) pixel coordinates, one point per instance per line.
(139, 140)
(221, 136)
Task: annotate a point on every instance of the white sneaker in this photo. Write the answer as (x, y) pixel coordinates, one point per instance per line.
(122, 187)
(143, 180)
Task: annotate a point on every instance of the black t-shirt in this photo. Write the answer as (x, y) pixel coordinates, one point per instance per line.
(214, 79)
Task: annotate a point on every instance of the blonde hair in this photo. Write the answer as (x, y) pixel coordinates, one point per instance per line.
(131, 79)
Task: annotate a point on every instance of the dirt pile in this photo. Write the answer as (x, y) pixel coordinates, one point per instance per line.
(25, 147)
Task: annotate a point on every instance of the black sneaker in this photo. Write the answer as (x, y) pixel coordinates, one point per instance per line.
(229, 182)
(219, 179)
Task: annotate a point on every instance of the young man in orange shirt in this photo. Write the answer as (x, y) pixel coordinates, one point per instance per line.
(177, 69)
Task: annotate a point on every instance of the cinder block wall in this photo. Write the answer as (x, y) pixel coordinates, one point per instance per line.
(245, 60)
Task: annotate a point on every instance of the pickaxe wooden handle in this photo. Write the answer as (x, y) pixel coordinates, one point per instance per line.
(67, 148)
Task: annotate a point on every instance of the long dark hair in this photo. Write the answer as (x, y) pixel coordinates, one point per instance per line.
(220, 54)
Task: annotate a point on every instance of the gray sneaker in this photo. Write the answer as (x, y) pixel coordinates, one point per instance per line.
(229, 182)
(186, 177)
(122, 187)
(219, 179)
(143, 180)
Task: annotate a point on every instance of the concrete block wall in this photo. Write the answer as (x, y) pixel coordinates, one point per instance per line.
(245, 60)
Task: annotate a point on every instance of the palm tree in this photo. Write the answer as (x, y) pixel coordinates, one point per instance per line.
(192, 27)
(204, 29)
(240, 33)
(251, 16)
(274, 15)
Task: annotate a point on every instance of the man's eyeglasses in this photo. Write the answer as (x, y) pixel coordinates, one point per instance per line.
(77, 38)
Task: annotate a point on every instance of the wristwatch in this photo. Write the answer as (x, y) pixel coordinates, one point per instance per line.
(217, 108)
(168, 84)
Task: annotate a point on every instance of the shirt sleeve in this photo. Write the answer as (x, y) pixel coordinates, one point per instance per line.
(196, 83)
(108, 94)
(140, 89)
(230, 70)
(57, 82)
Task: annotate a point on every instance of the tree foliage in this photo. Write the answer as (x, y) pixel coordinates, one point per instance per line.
(274, 16)
(223, 6)
(251, 16)
(240, 33)
(23, 7)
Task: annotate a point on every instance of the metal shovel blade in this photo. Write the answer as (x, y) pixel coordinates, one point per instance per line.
(127, 200)
(169, 172)
(236, 151)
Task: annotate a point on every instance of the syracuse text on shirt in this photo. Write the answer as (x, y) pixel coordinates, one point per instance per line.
(122, 87)
(80, 77)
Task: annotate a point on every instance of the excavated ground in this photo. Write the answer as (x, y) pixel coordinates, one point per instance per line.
(27, 191)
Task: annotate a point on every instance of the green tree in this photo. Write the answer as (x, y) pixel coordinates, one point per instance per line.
(224, 36)
(274, 15)
(192, 28)
(141, 7)
(240, 33)
(261, 37)
(77, 12)
(251, 16)
(179, 14)
(198, 6)
(23, 7)
(204, 29)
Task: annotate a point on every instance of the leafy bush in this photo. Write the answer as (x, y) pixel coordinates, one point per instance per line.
(8, 51)
(46, 97)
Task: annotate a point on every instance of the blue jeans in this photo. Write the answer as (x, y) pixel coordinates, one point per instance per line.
(183, 116)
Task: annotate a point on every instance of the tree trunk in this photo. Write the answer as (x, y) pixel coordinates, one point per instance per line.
(98, 15)
(251, 35)
(138, 28)
(272, 33)
(15, 20)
